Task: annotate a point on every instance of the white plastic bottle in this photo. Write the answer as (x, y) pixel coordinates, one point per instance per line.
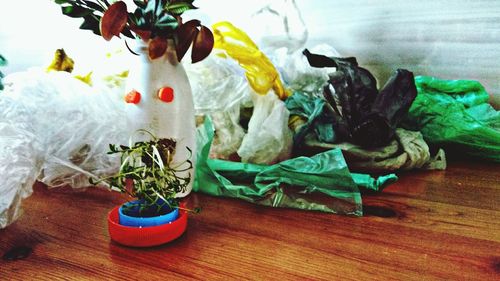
(173, 119)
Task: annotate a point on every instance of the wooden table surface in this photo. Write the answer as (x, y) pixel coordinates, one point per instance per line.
(429, 225)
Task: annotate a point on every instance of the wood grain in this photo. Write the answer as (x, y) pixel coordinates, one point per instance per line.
(429, 225)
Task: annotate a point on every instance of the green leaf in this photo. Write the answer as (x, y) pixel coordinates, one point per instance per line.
(94, 5)
(140, 4)
(167, 21)
(91, 23)
(166, 18)
(126, 31)
(61, 1)
(3, 60)
(177, 8)
(75, 11)
(151, 6)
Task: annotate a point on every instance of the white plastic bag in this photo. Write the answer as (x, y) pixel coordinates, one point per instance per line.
(296, 72)
(19, 166)
(55, 128)
(217, 84)
(219, 88)
(269, 140)
(278, 24)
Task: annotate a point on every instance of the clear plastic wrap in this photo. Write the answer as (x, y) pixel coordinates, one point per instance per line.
(56, 129)
(269, 140)
(280, 24)
(19, 159)
(219, 88)
(217, 84)
(296, 72)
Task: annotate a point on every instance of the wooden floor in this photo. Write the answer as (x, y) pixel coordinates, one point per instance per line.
(429, 225)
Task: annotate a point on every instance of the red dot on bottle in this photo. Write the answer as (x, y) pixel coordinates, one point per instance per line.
(166, 94)
(133, 97)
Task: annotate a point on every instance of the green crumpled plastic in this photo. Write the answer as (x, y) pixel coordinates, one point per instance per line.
(311, 109)
(455, 114)
(321, 183)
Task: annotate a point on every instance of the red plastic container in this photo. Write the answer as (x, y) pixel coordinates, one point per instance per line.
(145, 236)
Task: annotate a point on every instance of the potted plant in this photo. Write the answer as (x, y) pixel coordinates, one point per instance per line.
(148, 174)
(158, 94)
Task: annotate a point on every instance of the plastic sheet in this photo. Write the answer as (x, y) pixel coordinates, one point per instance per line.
(229, 134)
(294, 183)
(260, 72)
(220, 90)
(268, 140)
(455, 114)
(280, 24)
(407, 151)
(55, 128)
(217, 84)
(296, 72)
(309, 116)
(313, 133)
(19, 155)
(361, 114)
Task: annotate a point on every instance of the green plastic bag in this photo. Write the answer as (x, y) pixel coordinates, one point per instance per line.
(313, 110)
(321, 183)
(455, 115)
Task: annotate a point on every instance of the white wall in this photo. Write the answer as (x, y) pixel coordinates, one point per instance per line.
(450, 39)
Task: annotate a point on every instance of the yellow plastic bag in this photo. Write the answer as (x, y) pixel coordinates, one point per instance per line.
(260, 72)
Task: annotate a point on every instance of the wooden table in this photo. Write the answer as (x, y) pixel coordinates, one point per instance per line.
(429, 225)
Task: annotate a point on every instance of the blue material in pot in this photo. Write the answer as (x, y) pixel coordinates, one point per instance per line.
(134, 218)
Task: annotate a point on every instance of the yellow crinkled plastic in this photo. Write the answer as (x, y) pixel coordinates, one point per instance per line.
(260, 72)
(61, 62)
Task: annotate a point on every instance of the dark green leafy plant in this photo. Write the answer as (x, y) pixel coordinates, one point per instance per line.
(154, 21)
(3, 62)
(146, 172)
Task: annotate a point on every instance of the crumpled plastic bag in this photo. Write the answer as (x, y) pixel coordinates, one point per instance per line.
(294, 183)
(308, 115)
(269, 140)
(219, 90)
(260, 72)
(229, 133)
(361, 114)
(455, 114)
(56, 129)
(296, 72)
(217, 84)
(19, 154)
(313, 133)
(280, 25)
(407, 151)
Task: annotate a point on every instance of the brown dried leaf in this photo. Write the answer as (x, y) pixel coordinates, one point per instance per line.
(114, 20)
(157, 47)
(144, 34)
(186, 33)
(202, 45)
